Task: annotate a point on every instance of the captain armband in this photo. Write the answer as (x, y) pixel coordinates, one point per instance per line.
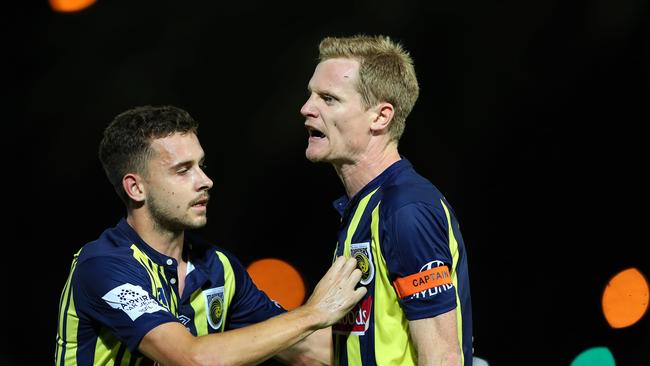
(422, 281)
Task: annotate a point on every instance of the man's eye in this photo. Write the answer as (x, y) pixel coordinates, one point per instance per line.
(182, 171)
(328, 98)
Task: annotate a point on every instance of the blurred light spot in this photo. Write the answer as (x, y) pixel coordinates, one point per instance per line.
(477, 361)
(625, 299)
(279, 280)
(597, 356)
(69, 6)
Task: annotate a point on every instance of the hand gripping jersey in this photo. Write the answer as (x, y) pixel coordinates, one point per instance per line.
(408, 246)
(119, 288)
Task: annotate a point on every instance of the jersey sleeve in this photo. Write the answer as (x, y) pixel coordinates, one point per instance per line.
(249, 305)
(416, 246)
(117, 295)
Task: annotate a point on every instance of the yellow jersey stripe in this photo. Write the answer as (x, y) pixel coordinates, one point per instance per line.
(387, 345)
(172, 301)
(72, 320)
(126, 357)
(64, 318)
(106, 348)
(352, 344)
(229, 286)
(143, 259)
(200, 315)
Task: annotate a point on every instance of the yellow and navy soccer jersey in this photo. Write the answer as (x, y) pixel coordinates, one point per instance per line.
(119, 288)
(408, 245)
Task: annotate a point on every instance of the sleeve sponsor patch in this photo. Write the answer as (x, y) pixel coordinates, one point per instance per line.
(133, 300)
(422, 281)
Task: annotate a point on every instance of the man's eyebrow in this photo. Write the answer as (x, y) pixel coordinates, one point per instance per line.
(181, 164)
(320, 91)
(186, 162)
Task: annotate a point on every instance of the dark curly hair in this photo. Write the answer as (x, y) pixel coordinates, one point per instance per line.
(126, 145)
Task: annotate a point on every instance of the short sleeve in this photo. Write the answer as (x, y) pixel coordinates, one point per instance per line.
(415, 242)
(117, 295)
(249, 305)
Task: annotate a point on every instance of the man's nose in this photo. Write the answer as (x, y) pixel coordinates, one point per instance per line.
(308, 109)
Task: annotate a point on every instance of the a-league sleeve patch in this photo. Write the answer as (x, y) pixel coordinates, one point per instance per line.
(422, 281)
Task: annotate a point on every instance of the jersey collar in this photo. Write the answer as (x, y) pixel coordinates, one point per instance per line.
(344, 204)
(159, 258)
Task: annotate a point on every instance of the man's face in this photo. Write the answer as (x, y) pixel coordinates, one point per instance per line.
(176, 186)
(337, 122)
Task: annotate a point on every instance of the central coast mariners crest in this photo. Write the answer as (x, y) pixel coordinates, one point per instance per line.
(214, 306)
(361, 252)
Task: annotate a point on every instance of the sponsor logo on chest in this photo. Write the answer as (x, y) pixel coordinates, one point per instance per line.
(357, 321)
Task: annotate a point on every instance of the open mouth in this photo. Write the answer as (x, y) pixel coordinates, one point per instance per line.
(313, 132)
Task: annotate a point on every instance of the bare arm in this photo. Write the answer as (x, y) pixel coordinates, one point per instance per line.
(436, 340)
(171, 344)
(315, 350)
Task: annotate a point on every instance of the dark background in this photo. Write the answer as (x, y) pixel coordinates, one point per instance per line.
(530, 120)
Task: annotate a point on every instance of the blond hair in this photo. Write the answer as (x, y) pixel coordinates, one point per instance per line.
(386, 73)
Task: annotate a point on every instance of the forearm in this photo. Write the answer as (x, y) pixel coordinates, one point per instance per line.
(440, 357)
(256, 343)
(315, 350)
(171, 344)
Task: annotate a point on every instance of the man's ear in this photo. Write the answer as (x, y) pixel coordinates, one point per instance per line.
(134, 187)
(384, 116)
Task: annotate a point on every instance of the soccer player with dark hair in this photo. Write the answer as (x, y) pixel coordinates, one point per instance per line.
(146, 291)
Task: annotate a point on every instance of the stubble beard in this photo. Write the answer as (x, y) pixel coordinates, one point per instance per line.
(164, 218)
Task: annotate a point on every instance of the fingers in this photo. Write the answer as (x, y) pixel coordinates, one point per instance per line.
(340, 263)
(349, 266)
(336, 293)
(360, 293)
(334, 271)
(353, 280)
(341, 270)
(355, 275)
(348, 278)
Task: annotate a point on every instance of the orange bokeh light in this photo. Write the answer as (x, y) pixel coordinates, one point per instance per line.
(69, 6)
(281, 281)
(625, 299)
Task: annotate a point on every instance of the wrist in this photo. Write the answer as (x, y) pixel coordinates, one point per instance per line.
(312, 318)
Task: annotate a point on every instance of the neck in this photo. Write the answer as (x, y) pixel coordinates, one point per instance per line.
(357, 174)
(164, 241)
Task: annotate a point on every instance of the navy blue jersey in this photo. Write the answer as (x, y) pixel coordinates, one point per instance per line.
(119, 288)
(408, 245)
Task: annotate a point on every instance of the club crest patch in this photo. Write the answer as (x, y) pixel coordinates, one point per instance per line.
(214, 306)
(361, 252)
